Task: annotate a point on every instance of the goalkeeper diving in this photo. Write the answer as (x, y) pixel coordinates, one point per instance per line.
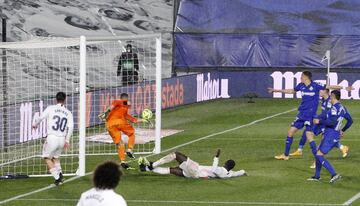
(189, 168)
(117, 122)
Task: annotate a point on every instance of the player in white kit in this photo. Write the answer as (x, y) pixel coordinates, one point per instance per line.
(191, 169)
(106, 179)
(60, 125)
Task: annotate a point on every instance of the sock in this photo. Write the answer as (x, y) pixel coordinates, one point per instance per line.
(54, 172)
(58, 167)
(168, 158)
(121, 152)
(289, 141)
(162, 170)
(302, 141)
(326, 164)
(318, 168)
(313, 147)
(339, 145)
(131, 142)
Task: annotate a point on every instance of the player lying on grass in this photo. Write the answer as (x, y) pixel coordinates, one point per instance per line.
(319, 128)
(117, 121)
(191, 169)
(332, 121)
(106, 178)
(60, 125)
(307, 110)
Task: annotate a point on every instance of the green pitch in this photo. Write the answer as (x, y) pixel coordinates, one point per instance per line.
(251, 145)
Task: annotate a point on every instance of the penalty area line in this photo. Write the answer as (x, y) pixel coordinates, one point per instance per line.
(199, 202)
(352, 199)
(164, 151)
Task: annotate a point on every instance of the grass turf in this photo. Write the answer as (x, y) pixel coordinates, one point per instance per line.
(253, 148)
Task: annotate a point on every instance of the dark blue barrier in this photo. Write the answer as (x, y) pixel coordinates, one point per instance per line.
(265, 50)
(325, 17)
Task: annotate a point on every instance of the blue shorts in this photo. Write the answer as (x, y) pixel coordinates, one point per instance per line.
(329, 141)
(318, 129)
(301, 121)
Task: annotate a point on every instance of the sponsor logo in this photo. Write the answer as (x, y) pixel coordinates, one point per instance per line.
(211, 88)
(288, 80)
(27, 118)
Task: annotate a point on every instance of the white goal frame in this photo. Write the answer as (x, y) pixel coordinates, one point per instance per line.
(82, 42)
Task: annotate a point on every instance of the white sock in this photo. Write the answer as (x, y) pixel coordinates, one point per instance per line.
(300, 149)
(54, 172)
(168, 158)
(341, 147)
(162, 170)
(58, 167)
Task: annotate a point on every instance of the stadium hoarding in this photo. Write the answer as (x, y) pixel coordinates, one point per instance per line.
(176, 91)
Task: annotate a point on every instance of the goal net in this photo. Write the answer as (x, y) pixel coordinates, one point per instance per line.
(92, 72)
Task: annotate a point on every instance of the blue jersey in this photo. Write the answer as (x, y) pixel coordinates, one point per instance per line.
(309, 97)
(333, 120)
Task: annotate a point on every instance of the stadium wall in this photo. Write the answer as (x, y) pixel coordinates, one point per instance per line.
(267, 34)
(176, 91)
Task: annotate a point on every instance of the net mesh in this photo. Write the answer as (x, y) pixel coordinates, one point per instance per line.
(33, 72)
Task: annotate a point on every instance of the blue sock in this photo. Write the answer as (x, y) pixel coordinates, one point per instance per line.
(302, 140)
(289, 141)
(338, 145)
(326, 164)
(313, 147)
(318, 168)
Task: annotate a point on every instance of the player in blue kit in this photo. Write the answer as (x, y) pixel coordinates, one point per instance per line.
(332, 121)
(307, 110)
(319, 129)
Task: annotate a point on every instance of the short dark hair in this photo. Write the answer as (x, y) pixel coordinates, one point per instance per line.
(308, 74)
(124, 95)
(107, 175)
(230, 164)
(327, 90)
(337, 94)
(60, 97)
(128, 45)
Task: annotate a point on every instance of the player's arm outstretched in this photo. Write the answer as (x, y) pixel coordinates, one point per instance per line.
(293, 91)
(220, 172)
(44, 115)
(286, 91)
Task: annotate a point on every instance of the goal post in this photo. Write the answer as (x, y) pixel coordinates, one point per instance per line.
(92, 71)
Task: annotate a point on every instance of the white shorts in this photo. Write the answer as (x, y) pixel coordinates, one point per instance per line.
(53, 146)
(190, 168)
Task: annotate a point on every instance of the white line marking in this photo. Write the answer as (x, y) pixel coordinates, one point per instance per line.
(352, 199)
(197, 202)
(267, 139)
(167, 150)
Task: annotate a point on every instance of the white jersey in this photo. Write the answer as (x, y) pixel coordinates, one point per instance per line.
(192, 169)
(97, 197)
(60, 121)
(215, 171)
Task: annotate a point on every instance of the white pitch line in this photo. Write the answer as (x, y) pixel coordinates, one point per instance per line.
(167, 150)
(267, 139)
(352, 199)
(199, 202)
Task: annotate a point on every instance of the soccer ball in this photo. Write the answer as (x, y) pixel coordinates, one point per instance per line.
(146, 114)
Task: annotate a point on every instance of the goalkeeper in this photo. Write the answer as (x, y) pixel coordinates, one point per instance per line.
(117, 121)
(191, 169)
